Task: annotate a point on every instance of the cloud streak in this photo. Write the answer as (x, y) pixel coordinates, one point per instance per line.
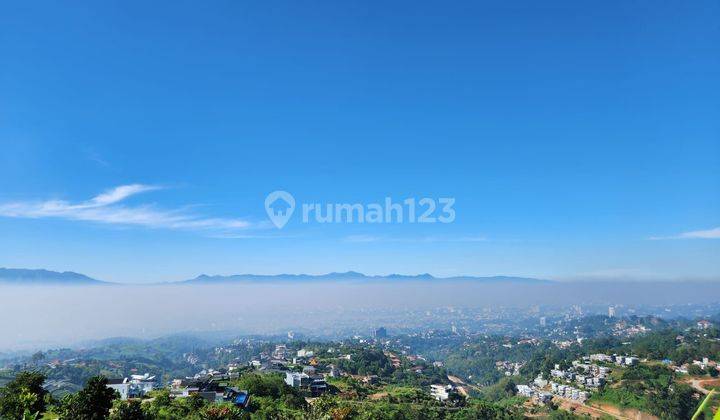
(106, 208)
(373, 238)
(695, 234)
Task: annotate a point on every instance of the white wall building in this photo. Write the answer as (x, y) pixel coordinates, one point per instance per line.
(440, 392)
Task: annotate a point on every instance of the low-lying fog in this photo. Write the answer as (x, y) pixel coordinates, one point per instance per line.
(40, 316)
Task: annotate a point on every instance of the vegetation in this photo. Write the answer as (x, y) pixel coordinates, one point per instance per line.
(271, 399)
(92, 403)
(367, 361)
(651, 388)
(398, 389)
(24, 395)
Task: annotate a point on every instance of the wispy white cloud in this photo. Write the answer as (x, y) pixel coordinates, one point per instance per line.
(373, 238)
(363, 238)
(454, 238)
(695, 234)
(94, 157)
(107, 208)
(472, 239)
(120, 193)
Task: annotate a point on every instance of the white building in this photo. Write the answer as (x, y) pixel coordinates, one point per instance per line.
(305, 353)
(599, 357)
(280, 351)
(297, 379)
(141, 385)
(440, 392)
(121, 385)
(704, 324)
(524, 390)
(631, 361)
(133, 387)
(540, 382)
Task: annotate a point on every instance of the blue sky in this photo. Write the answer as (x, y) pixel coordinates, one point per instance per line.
(579, 140)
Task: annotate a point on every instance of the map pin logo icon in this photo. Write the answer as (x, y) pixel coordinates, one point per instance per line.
(279, 206)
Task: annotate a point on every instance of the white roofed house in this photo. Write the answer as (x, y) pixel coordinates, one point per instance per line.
(141, 385)
(440, 392)
(135, 386)
(121, 385)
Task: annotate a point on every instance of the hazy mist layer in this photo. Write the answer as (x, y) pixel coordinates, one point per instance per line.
(42, 316)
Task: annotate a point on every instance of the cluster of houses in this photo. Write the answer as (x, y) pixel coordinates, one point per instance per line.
(576, 381)
(538, 391)
(308, 378)
(208, 384)
(301, 369)
(623, 330)
(534, 392)
(705, 364)
(211, 389)
(569, 392)
(587, 374)
(619, 360)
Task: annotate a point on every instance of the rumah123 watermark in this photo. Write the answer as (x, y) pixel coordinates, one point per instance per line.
(280, 206)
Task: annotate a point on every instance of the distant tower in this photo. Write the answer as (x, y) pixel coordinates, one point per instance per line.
(290, 335)
(380, 333)
(454, 329)
(543, 321)
(611, 311)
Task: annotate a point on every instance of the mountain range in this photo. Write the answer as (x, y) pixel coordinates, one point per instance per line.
(18, 276)
(349, 276)
(45, 277)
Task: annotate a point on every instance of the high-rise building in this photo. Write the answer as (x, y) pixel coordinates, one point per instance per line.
(543, 321)
(380, 333)
(611, 311)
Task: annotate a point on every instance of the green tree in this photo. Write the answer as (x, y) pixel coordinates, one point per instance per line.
(24, 393)
(675, 402)
(93, 402)
(696, 370)
(128, 410)
(220, 412)
(564, 415)
(485, 410)
(510, 387)
(37, 357)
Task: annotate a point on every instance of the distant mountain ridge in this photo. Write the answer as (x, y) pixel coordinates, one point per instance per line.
(350, 276)
(23, 276)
